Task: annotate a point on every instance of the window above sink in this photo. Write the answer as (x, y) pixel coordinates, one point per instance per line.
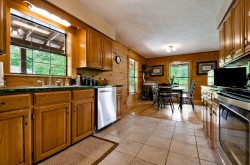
(36, 46)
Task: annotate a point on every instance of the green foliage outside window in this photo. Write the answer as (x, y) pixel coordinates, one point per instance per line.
(181, 74)
(37, 62)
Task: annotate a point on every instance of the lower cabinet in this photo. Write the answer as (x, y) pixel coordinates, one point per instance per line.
(82, 119)
(52, 129)
(15, 139)
(118, 106)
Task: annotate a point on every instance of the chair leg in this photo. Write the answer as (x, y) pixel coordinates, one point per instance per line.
(191, 101)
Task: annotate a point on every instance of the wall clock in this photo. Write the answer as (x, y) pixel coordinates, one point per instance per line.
(118, 59)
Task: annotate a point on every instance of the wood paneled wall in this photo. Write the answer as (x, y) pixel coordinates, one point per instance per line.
(119, 73)
(192, 59)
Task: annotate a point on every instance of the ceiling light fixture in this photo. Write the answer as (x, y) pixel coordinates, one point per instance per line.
(48, 15)
(171, 48)
(15, 22)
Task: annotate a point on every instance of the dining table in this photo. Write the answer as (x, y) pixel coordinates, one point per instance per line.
(176, 89)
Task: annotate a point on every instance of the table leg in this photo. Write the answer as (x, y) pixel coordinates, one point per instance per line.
(181, 99)
(158, 102)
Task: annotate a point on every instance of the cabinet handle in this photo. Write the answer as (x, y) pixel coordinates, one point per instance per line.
(26, 120)
(2, 103)
(246, 41)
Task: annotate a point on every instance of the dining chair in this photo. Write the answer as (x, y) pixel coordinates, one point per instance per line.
(165, 95)
(188, 97)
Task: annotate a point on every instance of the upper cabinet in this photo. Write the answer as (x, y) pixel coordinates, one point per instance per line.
(222, 45)
(247, 26)
(235, 32)
(237, 28)
(94, 50)
(2, 27)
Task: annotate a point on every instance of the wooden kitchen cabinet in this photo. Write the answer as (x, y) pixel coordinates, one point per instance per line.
(107, 53)
(228, 38)
(15, 128)
(222, 45)
(51, 123)
(3, 27)
(247, 26)
(237, 29)
(83, 112)
(209, 115)
(118, 106)
(94, 49)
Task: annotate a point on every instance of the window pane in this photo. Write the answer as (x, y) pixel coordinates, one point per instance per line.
(15, 66)
(14, 52)
(181, 74)
(58, 70)
(39, 56)
(41, 68)
(29, 67)
(131, 88)
(58, 60)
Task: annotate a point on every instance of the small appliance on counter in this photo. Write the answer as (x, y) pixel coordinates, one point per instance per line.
(103, 81)
(227, 77)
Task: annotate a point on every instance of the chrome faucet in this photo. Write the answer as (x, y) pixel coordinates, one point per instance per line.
(50, 72)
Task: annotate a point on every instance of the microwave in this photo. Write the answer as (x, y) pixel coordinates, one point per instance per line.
(227, 77)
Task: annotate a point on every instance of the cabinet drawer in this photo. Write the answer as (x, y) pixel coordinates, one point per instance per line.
(51, 97)
(83, 94)
(9, 102)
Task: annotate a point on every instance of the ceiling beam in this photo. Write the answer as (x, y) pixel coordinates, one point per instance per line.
(50, 38)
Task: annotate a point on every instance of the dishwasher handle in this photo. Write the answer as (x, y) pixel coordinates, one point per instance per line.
(107, 91)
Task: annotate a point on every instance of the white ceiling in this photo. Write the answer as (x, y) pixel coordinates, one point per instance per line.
(149, 26)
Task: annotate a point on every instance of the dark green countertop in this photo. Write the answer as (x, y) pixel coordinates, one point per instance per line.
(32, 89)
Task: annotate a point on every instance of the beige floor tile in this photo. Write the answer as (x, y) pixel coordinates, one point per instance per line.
(137, 161)
(163, 134)
(203, 162)
(153, 155)
(178, 159)
(120, 132)
(138, 137)
(184, 138)
(158, 142)
(201, 141)
(116, 139)
(129, 147)
(151, 119)
(168, 122)
(184, 125)
(149, 124)
(165, 127)
(184, 148)
(198, 126)
(116, 157)
(143, 129)
(207, 154)
(185, 131)
(136, 121)
(199, 132)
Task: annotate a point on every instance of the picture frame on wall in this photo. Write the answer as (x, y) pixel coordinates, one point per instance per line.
(204, 67)
(157, 70)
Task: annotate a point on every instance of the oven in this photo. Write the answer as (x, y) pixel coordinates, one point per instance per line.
(234, 117)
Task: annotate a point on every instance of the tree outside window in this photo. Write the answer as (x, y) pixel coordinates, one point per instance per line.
(180, 72)
(133, 74)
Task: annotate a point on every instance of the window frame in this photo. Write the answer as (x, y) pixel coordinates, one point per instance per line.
(189, 69)
(135, 76)
(57, 26)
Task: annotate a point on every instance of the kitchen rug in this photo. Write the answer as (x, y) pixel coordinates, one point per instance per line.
(89, 151)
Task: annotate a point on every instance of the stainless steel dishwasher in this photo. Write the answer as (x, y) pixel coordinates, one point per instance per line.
(106, 106)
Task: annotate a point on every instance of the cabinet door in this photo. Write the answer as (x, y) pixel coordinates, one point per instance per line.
(52, 129)
(94, 49)
(15, 141)
(247, 25)
(228, 38)
(237, 28)
(107, 54)
(2, 27)
(82, 119)
(222, 45)
(118, 106)
(81, 37)
(214, 128)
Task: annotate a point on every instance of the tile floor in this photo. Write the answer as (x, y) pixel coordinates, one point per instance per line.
(146, 141)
